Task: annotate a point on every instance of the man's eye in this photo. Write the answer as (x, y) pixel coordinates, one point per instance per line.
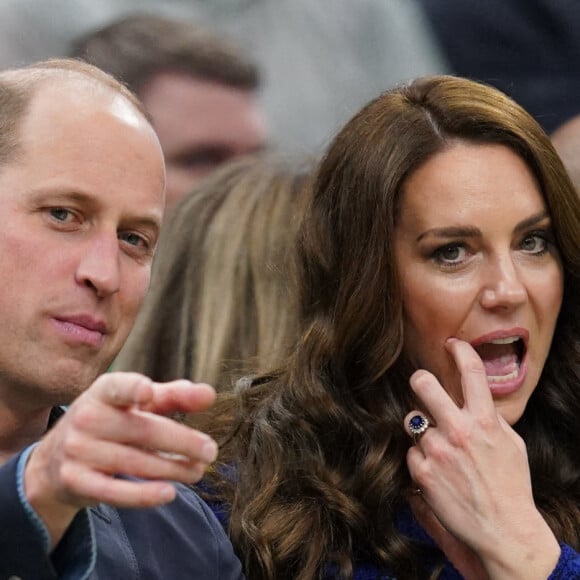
(60, 213)
(133, 239)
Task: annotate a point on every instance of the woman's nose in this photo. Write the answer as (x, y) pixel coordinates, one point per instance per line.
(503, 286)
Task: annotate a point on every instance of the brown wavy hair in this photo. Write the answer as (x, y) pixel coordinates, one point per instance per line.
(318, 445)
(222, 299)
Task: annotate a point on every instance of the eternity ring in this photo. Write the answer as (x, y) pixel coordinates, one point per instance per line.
(418, 424)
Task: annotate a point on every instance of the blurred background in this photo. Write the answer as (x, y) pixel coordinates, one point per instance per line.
(321, 60)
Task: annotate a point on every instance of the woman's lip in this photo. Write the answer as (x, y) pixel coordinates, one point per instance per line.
(502, 389)
(502, 333)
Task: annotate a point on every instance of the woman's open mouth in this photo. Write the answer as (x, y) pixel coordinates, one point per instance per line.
(503, 358)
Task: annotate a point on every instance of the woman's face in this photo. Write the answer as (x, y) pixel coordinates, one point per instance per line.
(476, 259)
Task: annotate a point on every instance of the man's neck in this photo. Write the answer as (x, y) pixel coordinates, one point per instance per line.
(19, 428)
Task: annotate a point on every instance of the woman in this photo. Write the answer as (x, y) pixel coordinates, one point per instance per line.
(440, 275)
(221, 299)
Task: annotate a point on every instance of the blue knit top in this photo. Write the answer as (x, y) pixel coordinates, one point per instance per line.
(568, 567)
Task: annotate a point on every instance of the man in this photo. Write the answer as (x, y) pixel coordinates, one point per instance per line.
(81, 204)
(200, 93)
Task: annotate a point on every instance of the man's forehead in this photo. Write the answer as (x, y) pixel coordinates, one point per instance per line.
(83, 114)
(76, 98)
(72, 131)
(120, 107)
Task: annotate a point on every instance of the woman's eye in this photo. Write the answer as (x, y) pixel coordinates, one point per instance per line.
(452, 254)
(535, 244)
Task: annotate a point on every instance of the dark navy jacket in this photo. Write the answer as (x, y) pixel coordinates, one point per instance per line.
(179, 541)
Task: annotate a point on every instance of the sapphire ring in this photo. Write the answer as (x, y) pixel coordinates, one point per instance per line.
(418, 424)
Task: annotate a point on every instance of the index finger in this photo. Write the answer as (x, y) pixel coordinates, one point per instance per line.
(122, 389)
(180, 395)
(474, 383)
(435, 400)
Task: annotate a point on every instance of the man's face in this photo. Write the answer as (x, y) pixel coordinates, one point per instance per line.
(80, 210)
(200, 125)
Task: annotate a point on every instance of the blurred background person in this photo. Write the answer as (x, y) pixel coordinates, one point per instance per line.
(222, 300)
(529, 49)
(321, 59)
(199, 91)
(566, 140)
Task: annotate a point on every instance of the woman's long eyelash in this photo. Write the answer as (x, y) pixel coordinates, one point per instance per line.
(547, 235)
(438, 255)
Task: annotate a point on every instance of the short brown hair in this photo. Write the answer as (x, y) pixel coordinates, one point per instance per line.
(18, 86)
(138, 46)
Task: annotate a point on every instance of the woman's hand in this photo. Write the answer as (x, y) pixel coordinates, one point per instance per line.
(472, 468)
(465, 560)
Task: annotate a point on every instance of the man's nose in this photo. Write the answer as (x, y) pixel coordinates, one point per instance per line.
(99, 267)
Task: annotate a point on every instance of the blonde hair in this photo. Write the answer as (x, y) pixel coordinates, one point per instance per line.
(222, 300)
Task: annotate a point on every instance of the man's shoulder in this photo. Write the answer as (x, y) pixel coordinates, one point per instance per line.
(182, 539)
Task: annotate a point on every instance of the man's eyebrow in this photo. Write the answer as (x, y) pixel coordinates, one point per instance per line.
(144, 221)
(61, 195)
(64, 195)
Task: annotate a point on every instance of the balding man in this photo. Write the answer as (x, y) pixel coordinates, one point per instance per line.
(81, 204)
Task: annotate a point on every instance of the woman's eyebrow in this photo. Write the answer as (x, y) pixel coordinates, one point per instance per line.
(472, 232)
(531, 221)
(451, 232)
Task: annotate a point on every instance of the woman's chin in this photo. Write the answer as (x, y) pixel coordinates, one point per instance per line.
(511, 412)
